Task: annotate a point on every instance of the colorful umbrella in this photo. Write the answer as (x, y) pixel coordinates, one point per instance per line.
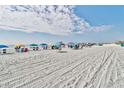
(3, 46)
(44, 44)
(20, 45)
(33, 44)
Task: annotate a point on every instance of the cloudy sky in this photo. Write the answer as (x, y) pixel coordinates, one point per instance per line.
(36, 24)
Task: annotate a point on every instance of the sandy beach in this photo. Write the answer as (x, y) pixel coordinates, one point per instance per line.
(96, 67)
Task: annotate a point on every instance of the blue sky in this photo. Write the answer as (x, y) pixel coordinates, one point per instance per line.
(94, 15)
(99, 15)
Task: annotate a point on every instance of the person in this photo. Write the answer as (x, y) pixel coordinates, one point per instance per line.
(22, 49)
(26, 50)
(17, 48)
(60, 48)
(37, 48)
(76, 46)
(52, 46)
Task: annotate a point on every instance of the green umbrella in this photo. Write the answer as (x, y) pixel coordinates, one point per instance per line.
(44, 44)
(122, 45)
(33, 44)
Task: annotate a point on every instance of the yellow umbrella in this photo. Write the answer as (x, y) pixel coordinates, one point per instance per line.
(20, 45)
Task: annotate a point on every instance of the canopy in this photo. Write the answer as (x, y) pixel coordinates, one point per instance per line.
(44, 44)
(33, 44)
(3, 46)
(20, 45)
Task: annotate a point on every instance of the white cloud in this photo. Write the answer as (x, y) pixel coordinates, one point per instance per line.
(58, 20)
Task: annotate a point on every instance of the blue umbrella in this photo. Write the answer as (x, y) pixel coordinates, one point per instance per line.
(3, 46)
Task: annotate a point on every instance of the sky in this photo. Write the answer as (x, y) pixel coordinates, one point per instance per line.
(37, 24)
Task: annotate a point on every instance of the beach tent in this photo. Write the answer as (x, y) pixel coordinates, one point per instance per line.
(44, 45)
(4, 49)
(34, 47)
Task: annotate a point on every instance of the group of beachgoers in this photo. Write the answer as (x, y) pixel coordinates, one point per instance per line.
(45, 46)
(21, 48)
(4, 49)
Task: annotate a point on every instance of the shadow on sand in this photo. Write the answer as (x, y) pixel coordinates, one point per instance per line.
(62, 51)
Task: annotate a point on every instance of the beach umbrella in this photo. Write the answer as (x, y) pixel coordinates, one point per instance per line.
(3, 46)
(122, 44)
(20, 45)
(44, 44)
(33, 44)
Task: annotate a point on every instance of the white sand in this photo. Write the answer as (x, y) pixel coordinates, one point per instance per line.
(89, 67)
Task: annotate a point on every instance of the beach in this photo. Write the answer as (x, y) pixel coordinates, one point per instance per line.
(95, 67)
